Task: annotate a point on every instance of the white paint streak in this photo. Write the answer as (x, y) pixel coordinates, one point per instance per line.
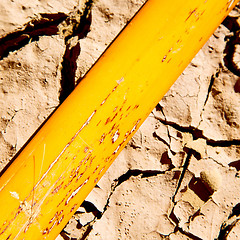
(231, 3)
(103, 102)
(14, 195)
(119, 81)
(51, 165)
(135, 126)
(87, 122)
(115, 137)
(116, 150)
(74, 193)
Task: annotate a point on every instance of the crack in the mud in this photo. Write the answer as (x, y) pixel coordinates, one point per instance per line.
(126, 176)
(189, 235)
(116, 182)
(184, 169)
(197, 133)
(74, 24)
(213, 77)
(160, 108)
(234, 39)
(212, 80)
(163, 141)
(74, 28)
(228, 225)
(46, 24)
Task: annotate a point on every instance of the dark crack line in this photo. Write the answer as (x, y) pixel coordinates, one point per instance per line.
(44, 25)
(190, 235)
(185, 167)
(199, 134)
(228, 225)
(212, 80)
(68, 72)
(75, 24)
(226, 229)
(79, 27)
(159, 107)
(213, 77)
(163, 141)
(232, 24)
(229, 52)
(126, 176)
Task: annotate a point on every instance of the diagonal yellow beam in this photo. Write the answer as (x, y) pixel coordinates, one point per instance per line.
(57, 169)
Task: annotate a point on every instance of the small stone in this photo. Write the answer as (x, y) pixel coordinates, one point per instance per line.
(212, 179)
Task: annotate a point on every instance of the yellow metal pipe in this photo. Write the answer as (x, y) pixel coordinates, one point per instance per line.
(57, 169)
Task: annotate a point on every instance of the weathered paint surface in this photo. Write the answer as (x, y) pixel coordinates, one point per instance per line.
(58, 168)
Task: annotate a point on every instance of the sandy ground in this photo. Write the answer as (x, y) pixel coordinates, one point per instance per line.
(179, 175)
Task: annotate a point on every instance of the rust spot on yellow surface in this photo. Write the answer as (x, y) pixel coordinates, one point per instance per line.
(56, 189)
(102, 138)
(108, 121)
(191, 13)
(164, 58)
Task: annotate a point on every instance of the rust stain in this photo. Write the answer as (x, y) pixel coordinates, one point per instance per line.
(108, 121)
(74, 206)
(56, 189)
(202, 12)
(96, 168)
(135, 126)
(114, 117)
(102, 138)
(60, 220)
(101, 170)
(10, 221)
(81, 174)
(164, 58)
(114, 89)
(75, 172)
(126, 136)
(191, 13)
(116, 150)
(113, 127)
(180, 63)
(86, 149)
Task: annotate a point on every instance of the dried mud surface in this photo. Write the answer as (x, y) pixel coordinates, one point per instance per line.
(179, 176)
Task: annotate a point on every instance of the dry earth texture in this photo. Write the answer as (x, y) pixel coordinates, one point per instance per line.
(178, 178)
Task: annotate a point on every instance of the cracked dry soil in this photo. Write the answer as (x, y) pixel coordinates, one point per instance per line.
(179, 176)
